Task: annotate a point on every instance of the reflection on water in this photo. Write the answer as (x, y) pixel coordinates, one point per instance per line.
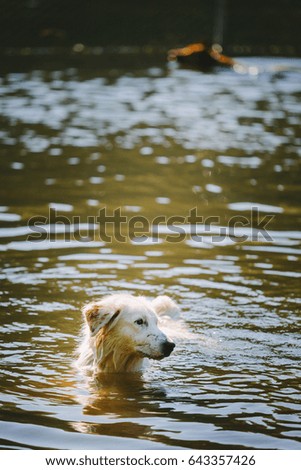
(153, 142)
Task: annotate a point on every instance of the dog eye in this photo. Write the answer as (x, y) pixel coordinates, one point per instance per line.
(139, 322)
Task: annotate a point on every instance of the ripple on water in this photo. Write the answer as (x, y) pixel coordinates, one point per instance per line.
(153, 143)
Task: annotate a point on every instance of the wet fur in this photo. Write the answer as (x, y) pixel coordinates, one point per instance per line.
(111, 340)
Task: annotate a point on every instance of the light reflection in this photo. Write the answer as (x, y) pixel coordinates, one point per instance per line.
(153, 140)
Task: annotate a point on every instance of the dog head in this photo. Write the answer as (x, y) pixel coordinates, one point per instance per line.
(131, 323)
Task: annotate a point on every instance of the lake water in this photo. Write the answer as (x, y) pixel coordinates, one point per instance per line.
(153, 141)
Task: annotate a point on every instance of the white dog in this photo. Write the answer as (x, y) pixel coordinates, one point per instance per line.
(121, 330)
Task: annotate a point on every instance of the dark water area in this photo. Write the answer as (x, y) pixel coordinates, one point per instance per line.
(152, 140)
(256, 28)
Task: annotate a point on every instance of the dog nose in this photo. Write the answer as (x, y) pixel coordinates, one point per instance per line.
(167, 348)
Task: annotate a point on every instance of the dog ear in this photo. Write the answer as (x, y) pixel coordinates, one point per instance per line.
(98, 315)
(164, 305)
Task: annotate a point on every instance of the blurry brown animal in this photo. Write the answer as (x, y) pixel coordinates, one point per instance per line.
(199, 56)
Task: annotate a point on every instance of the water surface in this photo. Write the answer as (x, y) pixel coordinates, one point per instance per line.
(153, 141)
